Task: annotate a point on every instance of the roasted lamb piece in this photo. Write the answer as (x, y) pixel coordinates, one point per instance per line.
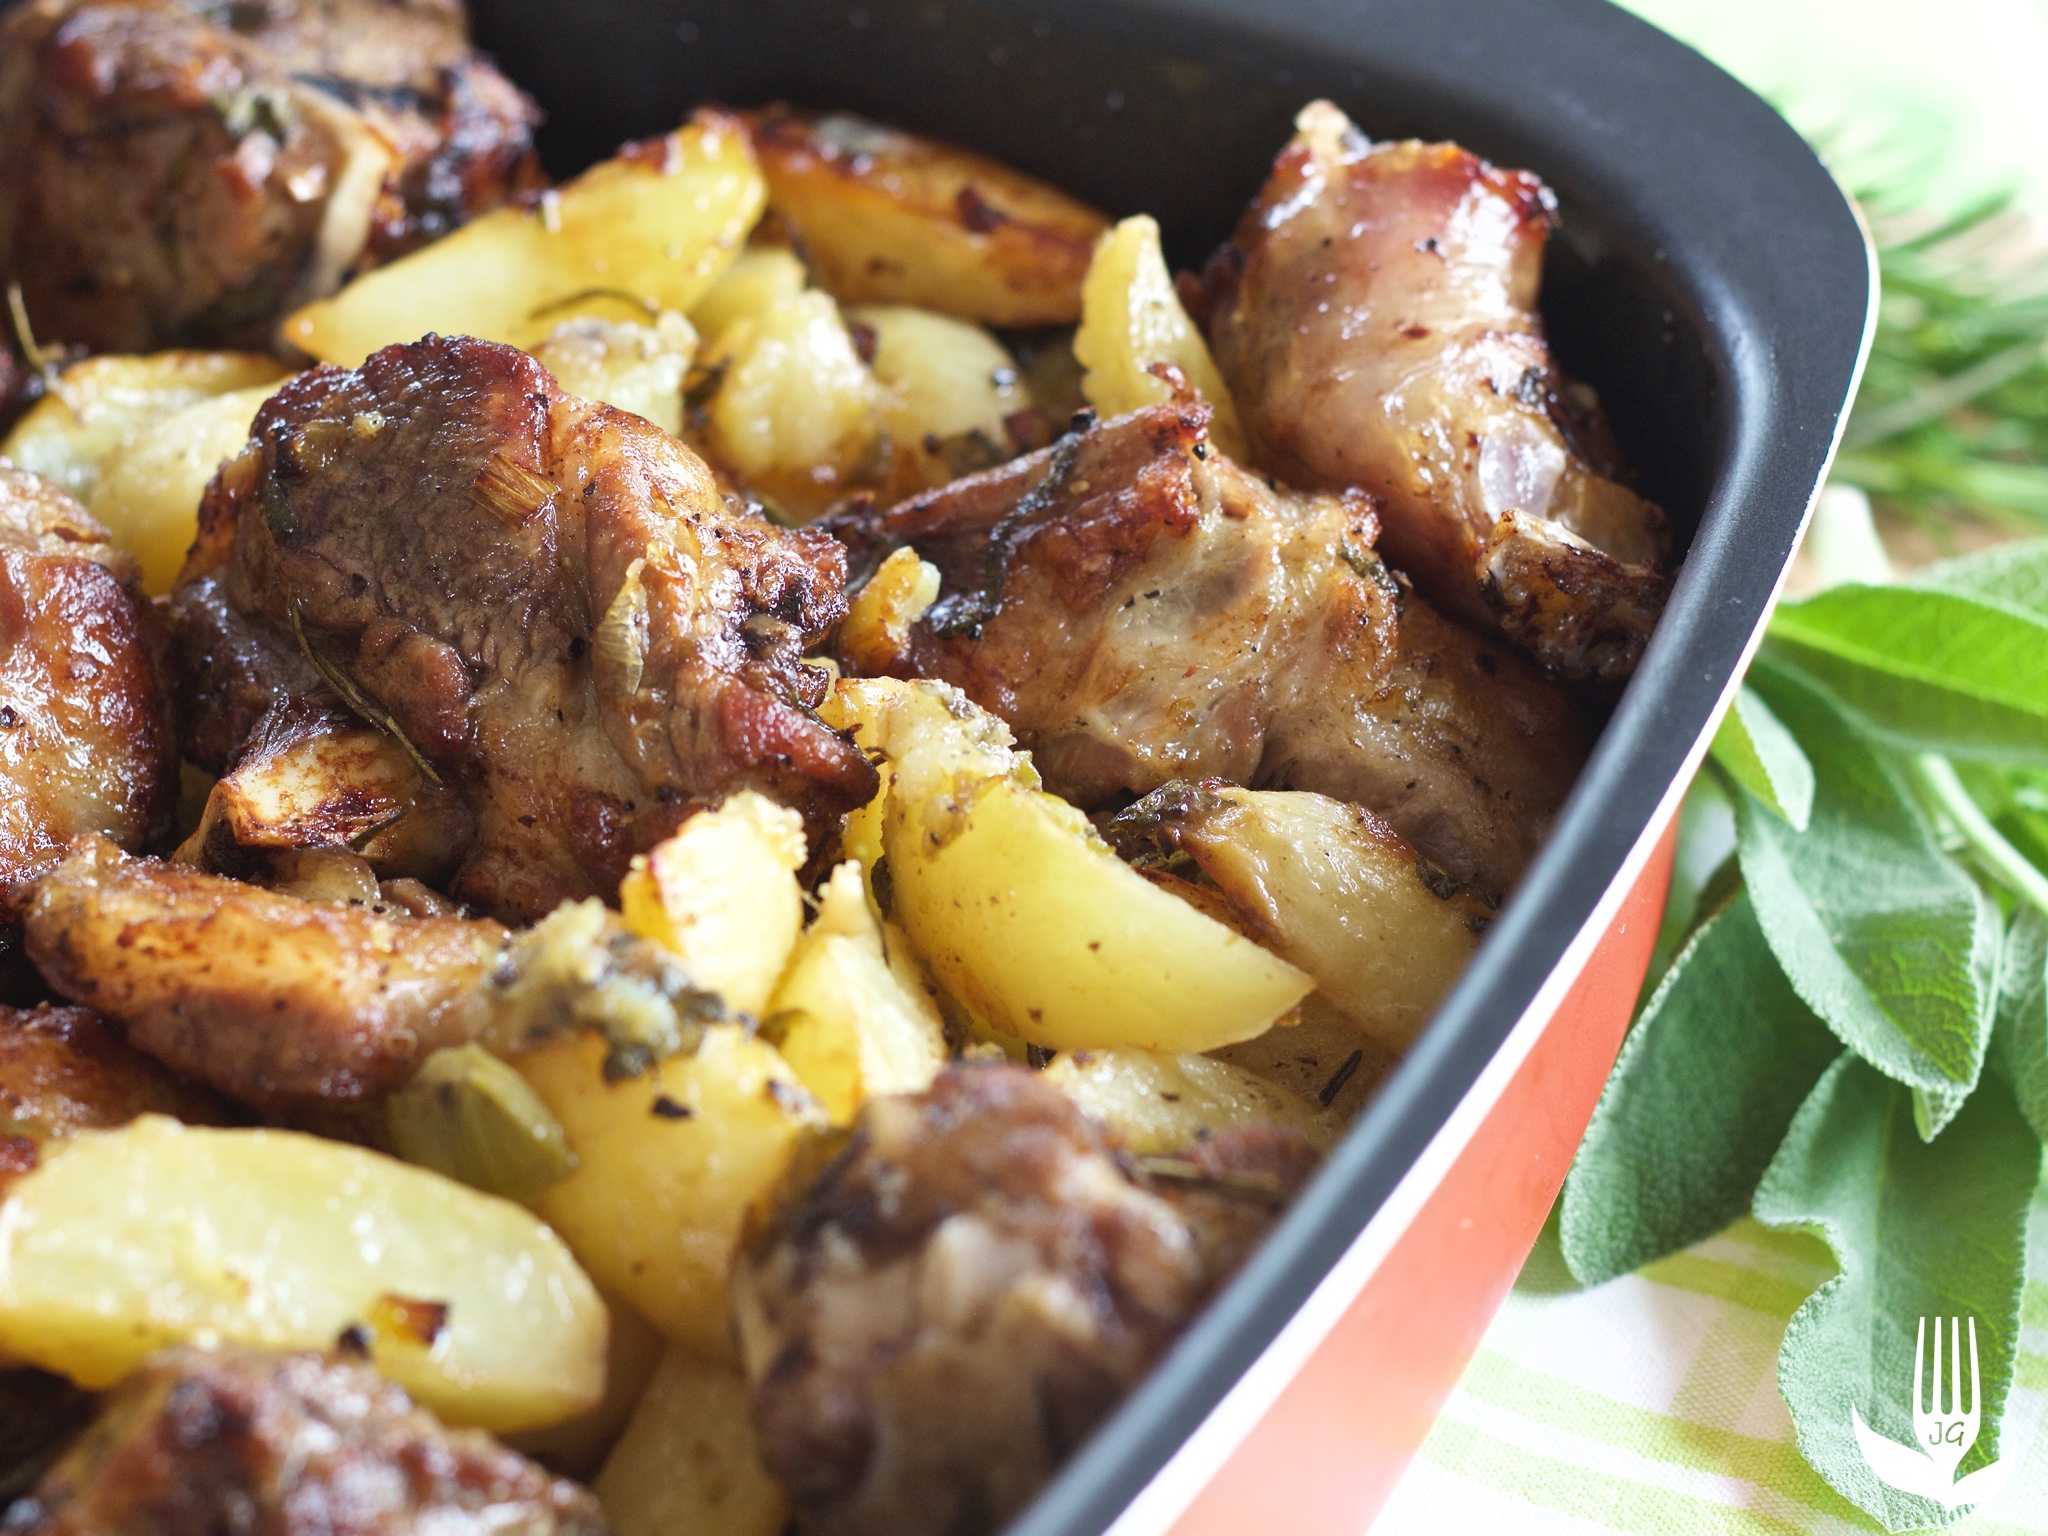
(185, 172)
(62, 1071)
(953, 1304)
(207, 1443)
(1375, 318)
(290, 1005)
(85, 742)
(1140, 609)
(545, 603)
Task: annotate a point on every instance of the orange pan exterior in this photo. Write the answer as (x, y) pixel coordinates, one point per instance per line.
(1326, 1455)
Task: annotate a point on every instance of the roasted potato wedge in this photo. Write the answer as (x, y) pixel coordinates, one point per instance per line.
(124, 1241)
(949, 389)
(655, 226)
(667, 1164)
(886, 217)
(850, 1026)
(1331, 887)
(1162, 1103)
(301, 785)
(1136, 341)
(876, 633)
(722, 894)
(760, 277)
(1023, 914)
(795, 412)
(637, 365)
(136, 439)
(687, 1463)
(103, 402)
(579, 1446)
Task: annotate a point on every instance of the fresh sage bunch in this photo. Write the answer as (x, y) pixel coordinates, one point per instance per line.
(1853, 1038)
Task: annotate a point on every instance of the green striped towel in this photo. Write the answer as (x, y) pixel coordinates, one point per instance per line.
(1651, 1406)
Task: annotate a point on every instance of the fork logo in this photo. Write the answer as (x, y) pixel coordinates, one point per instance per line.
(1944, 1434)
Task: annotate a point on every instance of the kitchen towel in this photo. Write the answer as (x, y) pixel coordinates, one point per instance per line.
(1650, 1405)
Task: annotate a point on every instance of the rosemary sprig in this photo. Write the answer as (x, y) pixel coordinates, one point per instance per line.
(1953, 414)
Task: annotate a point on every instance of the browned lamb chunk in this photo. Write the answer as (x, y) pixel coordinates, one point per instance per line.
(242, 1443)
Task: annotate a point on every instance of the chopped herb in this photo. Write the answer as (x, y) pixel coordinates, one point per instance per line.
(1339, 1078)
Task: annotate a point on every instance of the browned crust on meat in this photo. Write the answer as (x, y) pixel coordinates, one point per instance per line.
(172, 179)
(1141, 609)
(552, 606)
(202, 1441)
(943, 1313)
(63, 1071)
(273, 1000)
(85, 742)
(1375, 318)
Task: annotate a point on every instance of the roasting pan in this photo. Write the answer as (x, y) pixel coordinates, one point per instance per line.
(1713, 283)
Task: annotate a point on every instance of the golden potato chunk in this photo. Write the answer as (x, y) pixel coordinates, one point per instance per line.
(876, 630)
(886, 217)
(579, 1446)
(667, 1164)
(124, 1241)
(795, 411)
(1136, 341)
(687, 1462)
(1331, 887)
(1162, 1103)
(851, 1027)
(657, 224)
(136, 439)
(637, 365)
(722, 894)
(949, 390)
(1022, 913)
(760, 277)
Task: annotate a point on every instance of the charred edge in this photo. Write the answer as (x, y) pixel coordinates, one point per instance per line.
(964, 613)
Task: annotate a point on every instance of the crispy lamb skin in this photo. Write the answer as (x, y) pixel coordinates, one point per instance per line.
(546, 599)
(182, 172)
(938, 1318)
(1140, 609)
(85, 742)
(208, 1443)
(1375, 318)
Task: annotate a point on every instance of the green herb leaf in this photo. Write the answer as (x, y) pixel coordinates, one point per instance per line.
(2014, 576)
(1919, 1229)
(1933, 670)
(1881, 933)
(1709, 1078)
(1756, 750)
(2021, 1041)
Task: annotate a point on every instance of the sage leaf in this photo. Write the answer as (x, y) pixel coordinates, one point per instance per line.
(1931, 669)
(1882, 934)
(1707, 1083)
(1756, 750)
(1919, 1229)
(2022, 1030)
(2013, 576)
